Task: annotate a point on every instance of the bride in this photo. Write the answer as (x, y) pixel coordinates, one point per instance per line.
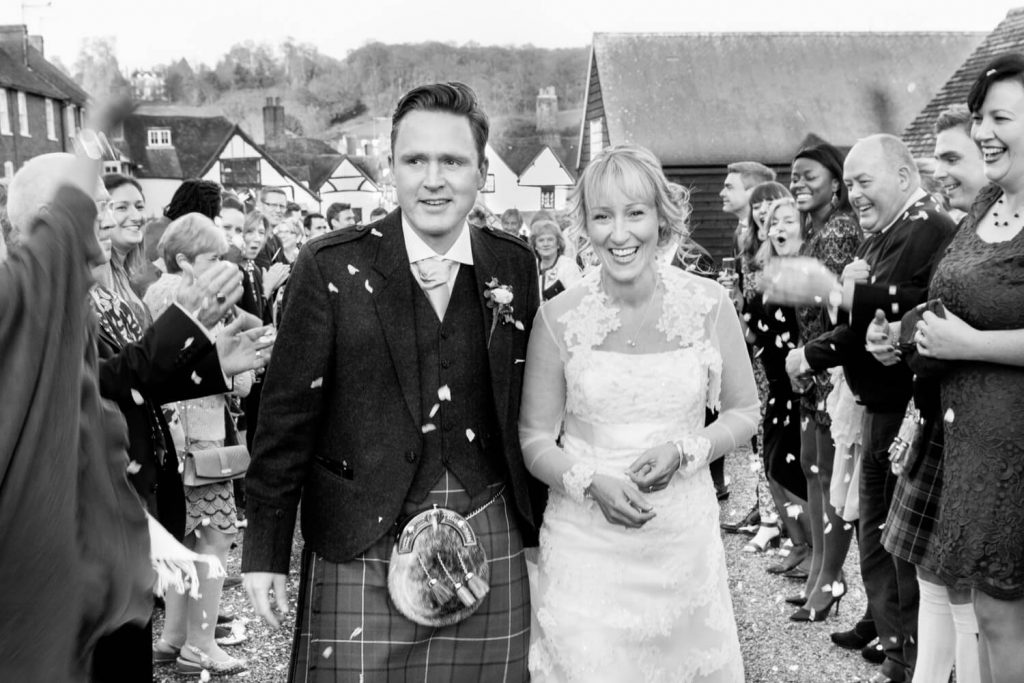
(631, 576)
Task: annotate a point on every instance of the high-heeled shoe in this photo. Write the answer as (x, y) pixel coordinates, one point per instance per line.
(811, 614)
(767, 535)
(799, 599)
(797, 554)
(747, 525)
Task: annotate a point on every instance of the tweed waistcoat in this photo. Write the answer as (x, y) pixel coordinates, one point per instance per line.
(452, 358)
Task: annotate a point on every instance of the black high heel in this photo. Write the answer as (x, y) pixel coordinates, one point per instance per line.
(811, 614)
(797, 554)
(798, 599)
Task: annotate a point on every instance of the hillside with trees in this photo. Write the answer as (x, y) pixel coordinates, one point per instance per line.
(321, 91)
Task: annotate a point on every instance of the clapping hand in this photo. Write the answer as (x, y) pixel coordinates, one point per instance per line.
(212, 295)
(879, 341)
(798, 281)
(948, 338)
(653, 470)
(856, 270)
(620, 501)
(274, 276)
(240, 349)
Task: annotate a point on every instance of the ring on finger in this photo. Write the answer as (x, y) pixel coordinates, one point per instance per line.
(221, 298)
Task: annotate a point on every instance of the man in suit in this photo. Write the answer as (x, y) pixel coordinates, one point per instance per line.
(396, 388)
(905, 231)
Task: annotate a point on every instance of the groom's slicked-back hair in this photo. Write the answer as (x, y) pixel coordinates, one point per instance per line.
(453, 98)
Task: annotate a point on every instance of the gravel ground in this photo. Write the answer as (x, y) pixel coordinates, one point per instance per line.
(775, 649)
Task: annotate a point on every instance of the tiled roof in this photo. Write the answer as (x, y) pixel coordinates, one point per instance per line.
(702, 99)
(1008, 36)
(196, 141)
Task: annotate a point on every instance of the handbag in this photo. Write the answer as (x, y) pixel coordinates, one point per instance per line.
(438, 574)
(204, 466)
(906, 446)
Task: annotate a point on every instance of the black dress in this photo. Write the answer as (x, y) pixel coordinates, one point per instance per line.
(979, 536)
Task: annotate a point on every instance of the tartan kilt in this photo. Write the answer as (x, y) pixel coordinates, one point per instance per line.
(348, 630)
(915, 507)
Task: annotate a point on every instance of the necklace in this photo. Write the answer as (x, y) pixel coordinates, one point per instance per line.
(1005, 223)
(633, 342)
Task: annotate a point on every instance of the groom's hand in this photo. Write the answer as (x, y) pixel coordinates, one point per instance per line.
(258, 585)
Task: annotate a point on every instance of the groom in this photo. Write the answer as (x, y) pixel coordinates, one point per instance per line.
(395, 387)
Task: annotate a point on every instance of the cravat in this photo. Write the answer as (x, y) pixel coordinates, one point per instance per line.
(432, 274)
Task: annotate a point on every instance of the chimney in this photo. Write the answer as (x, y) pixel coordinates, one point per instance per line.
(37, 43)
(14, 39)
(547, 116)
(273, 123)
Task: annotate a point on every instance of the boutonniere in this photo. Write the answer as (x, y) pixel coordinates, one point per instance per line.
(499, 297)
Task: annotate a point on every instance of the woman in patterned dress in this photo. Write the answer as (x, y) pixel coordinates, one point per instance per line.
(980, 281)
(190, 245)
(833, 237)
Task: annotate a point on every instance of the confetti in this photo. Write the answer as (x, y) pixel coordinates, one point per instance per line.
(196, 379)
(137, 398)
(133, 467)
(331, 288)
(828, 529)
(433, 411)
(847, 478)
(328, 651)
(519, 360)
(427, 428)
(790, 457)
(814, 469)
(817, 299)
(949, 417)
(376, 233)
(352, 270)
(206, 521)
(785, 336)
(746, 317)
(317, 383)
(519, 325)
(358, 630)
(771, 401)
(379, 520)
(847, 526)
(204, 676)
(881, 527)
(779, 315)
(188, 343)
(470, 434)
(793, 511)
(368, 287)
(205, 625)
(444, 393)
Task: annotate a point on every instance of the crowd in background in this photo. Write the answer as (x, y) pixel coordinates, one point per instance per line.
(886, 339)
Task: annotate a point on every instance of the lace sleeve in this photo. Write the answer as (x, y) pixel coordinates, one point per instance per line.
(542, 410)
(838, 242)
(740, 409)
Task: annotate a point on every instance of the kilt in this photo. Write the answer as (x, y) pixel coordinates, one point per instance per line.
(915, 505)
(348, 630)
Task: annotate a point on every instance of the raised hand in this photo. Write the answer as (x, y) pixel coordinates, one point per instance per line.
(212, 295)
(798, 281)
(878, 340)
(274, 276)
(240, 349)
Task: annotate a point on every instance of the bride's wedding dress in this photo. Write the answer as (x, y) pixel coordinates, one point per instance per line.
(648, 604)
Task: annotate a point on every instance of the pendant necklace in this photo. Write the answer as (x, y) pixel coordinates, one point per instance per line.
(633, 342)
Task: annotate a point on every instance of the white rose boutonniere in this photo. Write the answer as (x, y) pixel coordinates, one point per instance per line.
(499, 297)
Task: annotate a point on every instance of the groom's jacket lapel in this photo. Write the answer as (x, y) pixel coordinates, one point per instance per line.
(487, 265)
(394, 307)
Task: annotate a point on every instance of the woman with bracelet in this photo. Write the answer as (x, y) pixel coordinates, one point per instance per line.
(631, 559)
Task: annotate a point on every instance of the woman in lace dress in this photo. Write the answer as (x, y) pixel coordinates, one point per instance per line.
(980, 281)
(631, 576)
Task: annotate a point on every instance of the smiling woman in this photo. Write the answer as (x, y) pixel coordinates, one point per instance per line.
(127, 258)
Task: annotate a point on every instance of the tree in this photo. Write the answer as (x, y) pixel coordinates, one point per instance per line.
(97, 69)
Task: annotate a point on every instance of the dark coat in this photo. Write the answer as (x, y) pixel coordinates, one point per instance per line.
(161, 367)
(342, 394)
(901, 260)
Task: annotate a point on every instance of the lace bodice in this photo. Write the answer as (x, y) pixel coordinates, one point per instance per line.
(580, 367)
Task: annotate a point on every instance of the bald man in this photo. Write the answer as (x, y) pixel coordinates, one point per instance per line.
(905, 231)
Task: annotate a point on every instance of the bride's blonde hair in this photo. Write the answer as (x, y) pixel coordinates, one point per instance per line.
(635, 172)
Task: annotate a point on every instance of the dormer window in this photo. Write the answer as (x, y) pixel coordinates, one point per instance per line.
(159, 137)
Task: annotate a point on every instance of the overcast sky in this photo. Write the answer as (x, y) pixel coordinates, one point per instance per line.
(152, 32)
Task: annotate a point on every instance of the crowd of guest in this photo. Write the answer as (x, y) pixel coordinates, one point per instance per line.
(885, 336)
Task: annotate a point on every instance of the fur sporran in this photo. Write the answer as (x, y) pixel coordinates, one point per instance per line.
(907, 445)
(438, 574)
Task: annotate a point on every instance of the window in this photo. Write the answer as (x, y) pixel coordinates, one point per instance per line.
(240, 173)
(5, 116)
(489, 185)
(8, 169)
(159, 137)
(23, 114)
(547, 197)
(111, 166)
(596, 137)
(69, 114)
(51, 125)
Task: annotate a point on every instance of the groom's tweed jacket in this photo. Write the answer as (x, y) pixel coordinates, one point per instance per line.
(342, 418)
